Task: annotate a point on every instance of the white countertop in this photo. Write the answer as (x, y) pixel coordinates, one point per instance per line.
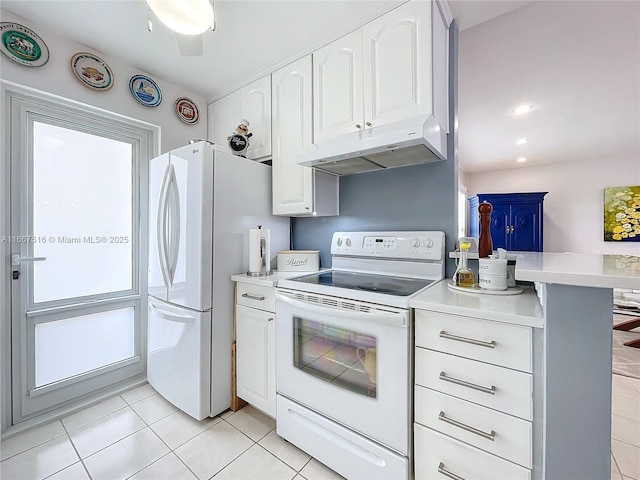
(580, 269)
(267, 281)
(521, 309)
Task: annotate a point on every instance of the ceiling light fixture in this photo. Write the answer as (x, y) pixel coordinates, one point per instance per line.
(521, 160)
(522, 141)
(188, 17)
(519, 110)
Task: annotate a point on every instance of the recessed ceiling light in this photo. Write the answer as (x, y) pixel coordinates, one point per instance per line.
(521, 160)
(522, 141)
(522, 109)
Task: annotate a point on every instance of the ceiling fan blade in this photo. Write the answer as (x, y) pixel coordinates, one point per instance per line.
(189, 45)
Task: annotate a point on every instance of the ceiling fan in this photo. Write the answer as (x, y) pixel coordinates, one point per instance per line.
(189, 19)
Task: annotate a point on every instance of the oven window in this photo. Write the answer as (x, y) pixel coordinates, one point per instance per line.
(337, 355)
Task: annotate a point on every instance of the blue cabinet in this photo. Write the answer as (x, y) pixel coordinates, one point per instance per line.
(516, 220)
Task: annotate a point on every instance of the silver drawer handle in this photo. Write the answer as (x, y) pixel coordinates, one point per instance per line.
(489, 436)
(252, 297)
(448, 336)
(447, 473)
(490, 391)
(270, 319)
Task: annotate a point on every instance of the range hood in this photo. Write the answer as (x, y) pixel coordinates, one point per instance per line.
(407, 142)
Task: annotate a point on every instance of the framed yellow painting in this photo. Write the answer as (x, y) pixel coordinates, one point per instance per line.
(622, 214)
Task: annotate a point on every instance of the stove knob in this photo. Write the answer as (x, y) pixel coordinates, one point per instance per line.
(348, 242)
(339, 242)
(428, 243)
(416, 242)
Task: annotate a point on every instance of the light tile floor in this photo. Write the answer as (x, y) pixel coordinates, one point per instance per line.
(138, 435)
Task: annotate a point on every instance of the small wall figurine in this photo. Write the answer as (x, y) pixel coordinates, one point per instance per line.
(239, 140)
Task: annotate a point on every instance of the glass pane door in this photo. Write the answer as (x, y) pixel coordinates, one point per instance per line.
(76, 309)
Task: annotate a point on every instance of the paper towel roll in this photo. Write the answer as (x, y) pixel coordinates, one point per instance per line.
(266, 234)
(255, 260)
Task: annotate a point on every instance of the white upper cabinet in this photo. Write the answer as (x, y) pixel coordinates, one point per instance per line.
(297, 190)
(391, 69)
(222, 119)
(397, 65)
(252, 103)
(337, 87)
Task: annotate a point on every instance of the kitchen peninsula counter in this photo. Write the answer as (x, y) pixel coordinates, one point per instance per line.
(572, 347)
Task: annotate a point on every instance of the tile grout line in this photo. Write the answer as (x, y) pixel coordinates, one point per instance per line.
(76, 450)
(171, 450)
(34, 446)
(278, 458)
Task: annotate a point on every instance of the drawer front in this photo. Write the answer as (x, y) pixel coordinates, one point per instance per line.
(495, 387)
(497, 343)
(256, 296)
(436, 455)
(498, 433)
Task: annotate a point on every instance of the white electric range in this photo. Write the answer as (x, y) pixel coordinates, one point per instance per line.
(343, 351)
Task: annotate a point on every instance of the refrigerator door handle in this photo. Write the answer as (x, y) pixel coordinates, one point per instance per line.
(171, 317)
(174, 215)
(161, 226)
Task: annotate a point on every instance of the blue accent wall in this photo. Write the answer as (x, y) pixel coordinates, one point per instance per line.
(419, 197)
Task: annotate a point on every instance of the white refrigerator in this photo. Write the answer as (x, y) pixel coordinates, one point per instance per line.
(202, 204)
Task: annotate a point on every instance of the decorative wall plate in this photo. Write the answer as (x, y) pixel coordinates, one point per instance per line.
(187, 110)
(92, 71)
(23, 45)
(145, 90)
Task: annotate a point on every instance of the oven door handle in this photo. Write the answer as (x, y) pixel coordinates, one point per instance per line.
(388, 317)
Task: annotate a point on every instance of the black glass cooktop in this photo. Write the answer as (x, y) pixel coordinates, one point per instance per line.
(385, 284)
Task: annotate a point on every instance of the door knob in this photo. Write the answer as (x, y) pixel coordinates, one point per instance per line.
(16, 259)
(358, 125)
(369, 124)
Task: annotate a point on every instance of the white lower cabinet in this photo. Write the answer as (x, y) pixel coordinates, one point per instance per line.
(438, 457)
(255, 348)
(473, 407)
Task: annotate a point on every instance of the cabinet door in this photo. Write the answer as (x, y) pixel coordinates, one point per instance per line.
(337, 88)
(254, 104)
(223, 118)
(255, 358)
(525, 221)
(291, 97)
(500, 223)
(397, 58)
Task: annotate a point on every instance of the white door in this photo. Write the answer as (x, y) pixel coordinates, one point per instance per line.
(179, 357)
(75, 242)
(256, 358)
(254, 105)
(292, 130)
(188, 225)
(397, 65)
(223, 119)
(337, 88)
(158, 279)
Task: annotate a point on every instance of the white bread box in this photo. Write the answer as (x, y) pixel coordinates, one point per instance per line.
(298, 260)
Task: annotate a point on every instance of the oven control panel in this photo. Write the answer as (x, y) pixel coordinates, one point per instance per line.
(425, 245)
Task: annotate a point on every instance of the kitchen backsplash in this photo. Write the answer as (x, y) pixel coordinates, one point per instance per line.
(420, 197)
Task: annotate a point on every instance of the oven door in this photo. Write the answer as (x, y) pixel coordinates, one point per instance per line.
(347, 360)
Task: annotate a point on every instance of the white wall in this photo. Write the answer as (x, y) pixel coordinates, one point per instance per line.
(56, 77)
(573, 208)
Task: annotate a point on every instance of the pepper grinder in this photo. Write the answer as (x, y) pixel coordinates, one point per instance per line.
(485, 244)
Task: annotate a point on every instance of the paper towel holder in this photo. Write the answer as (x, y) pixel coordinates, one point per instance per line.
(263, 259)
